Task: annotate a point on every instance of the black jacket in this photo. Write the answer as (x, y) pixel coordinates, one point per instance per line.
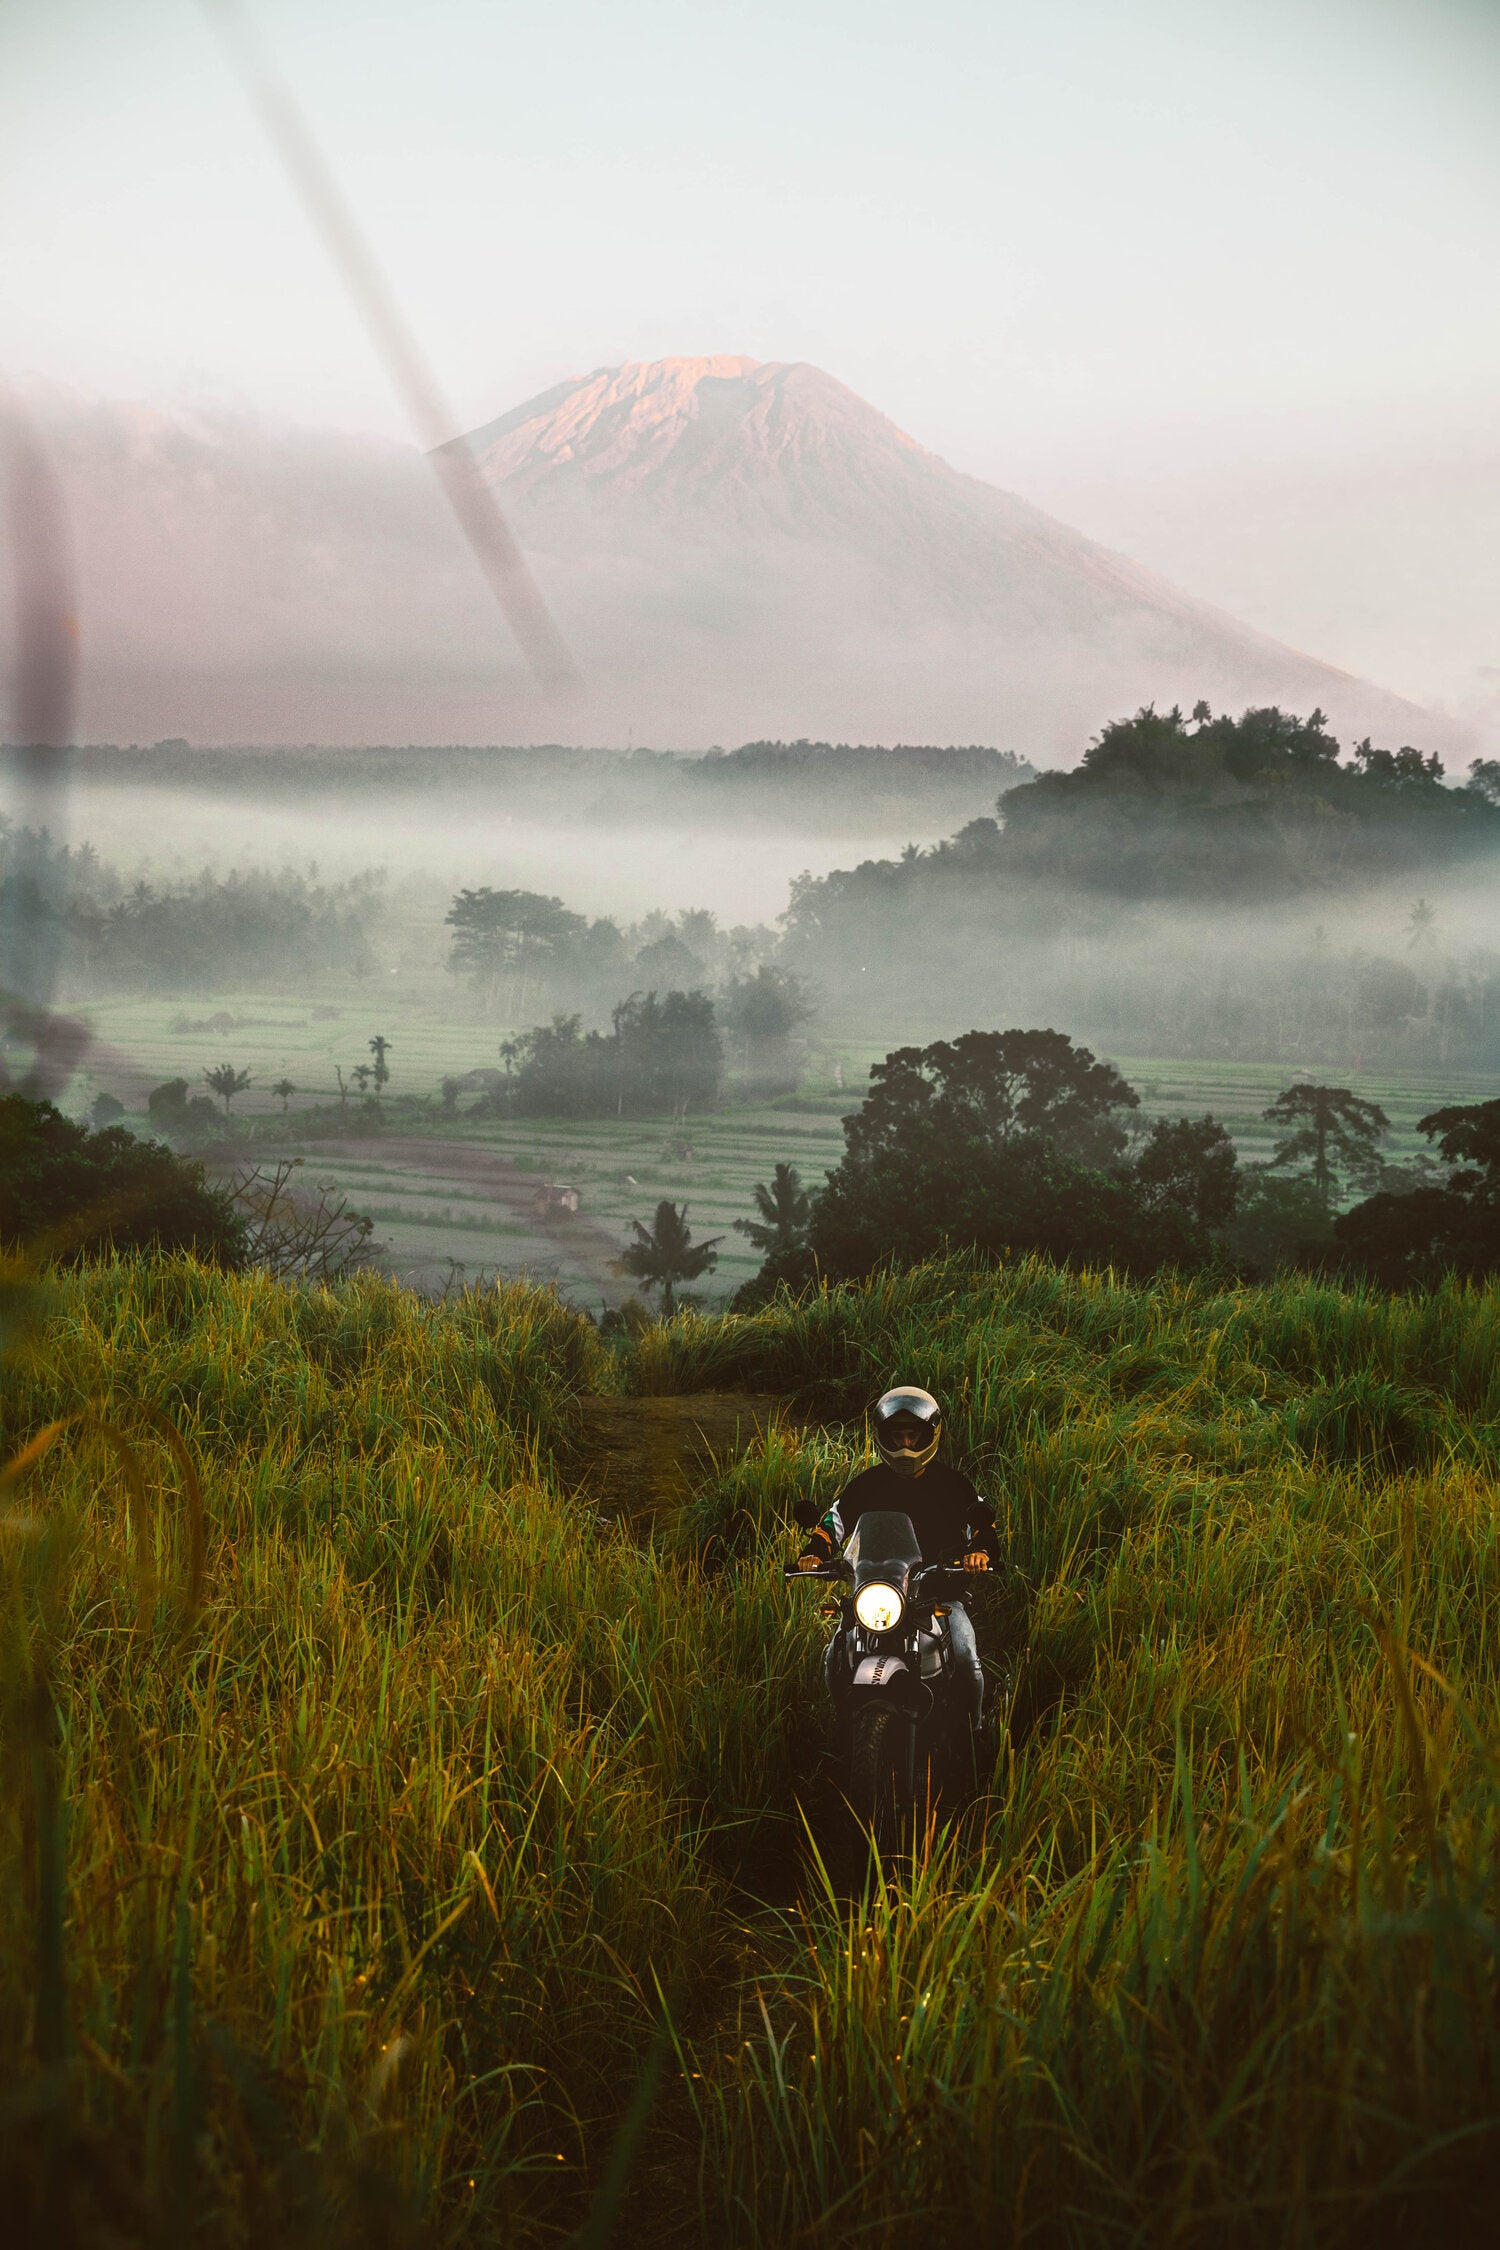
(947, 1514)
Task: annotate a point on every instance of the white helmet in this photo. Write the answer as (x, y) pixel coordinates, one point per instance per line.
(908, 1423)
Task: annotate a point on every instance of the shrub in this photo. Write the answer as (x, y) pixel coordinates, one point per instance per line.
(70, 1193)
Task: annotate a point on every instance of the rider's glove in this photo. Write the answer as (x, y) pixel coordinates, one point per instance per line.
(979, 1560)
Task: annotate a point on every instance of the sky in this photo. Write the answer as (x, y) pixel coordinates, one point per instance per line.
(1215, 282)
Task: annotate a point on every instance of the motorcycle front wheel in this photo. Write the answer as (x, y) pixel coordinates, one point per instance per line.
(880, 1774)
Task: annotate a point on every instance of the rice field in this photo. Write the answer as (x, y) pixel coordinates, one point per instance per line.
(434, 1199)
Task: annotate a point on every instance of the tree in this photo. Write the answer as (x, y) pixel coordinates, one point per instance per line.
(283, 1090)
(225, 1081)
(107, 1109)
(1009, 1142)
(659, 1055)
(185, 1122)
(380, 1048)
(1419, 926)
(1484, 780)
(1468, 1134)
(764, 1010)
(1337, 1129)
(68, 1193)
(362, 1074)
(506, 942)
(343, 1089)
(665, 1253)
(785, 1208)
(1412, 1239)
(1189, 1164)
(991, 1089)
(300, 1233)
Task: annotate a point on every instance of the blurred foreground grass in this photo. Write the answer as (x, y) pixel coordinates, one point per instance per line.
(343, 1905)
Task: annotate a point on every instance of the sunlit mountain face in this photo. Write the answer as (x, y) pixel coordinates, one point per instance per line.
(788, 543)
(734, 550)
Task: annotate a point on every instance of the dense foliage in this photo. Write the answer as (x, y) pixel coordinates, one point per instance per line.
(1008, 1142)
(659, 1055)
(68, 1192)
(1206, 887)
(218, 933)
(1251, 807)
(1418, 1235)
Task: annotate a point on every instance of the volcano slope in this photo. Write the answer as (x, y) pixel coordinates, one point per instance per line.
(365, 1805)
(734, 549)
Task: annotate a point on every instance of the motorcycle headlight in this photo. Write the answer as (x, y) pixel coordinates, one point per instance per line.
(878, 1608)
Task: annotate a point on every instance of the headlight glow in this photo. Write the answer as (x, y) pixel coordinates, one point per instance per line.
(878, 1608)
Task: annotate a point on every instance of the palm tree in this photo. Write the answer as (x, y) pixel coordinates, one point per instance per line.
(225, 1081)
(665, 1253)
(283, 1090)
(1327, 1122)
(785, 1208)
(380, 1048)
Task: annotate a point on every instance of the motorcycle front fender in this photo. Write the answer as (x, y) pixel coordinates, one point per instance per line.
(891, 1677)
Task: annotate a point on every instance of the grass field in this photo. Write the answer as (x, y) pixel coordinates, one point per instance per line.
(438, 1222)
(394, 1853)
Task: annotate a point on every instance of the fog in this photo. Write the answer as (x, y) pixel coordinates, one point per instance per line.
(740, 874)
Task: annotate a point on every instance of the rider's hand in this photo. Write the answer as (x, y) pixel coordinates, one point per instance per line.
(977, 1561)
(809, 1562)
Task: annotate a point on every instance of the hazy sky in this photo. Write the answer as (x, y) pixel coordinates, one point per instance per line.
(1216, 282)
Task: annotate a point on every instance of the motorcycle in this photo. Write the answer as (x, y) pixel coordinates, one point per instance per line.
(903, 1709)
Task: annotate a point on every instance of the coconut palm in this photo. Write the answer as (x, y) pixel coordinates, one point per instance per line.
(225, 1081)
(665, 1253)
(785, 1208)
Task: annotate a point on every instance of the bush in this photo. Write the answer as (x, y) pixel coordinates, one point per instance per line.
(69, 1193)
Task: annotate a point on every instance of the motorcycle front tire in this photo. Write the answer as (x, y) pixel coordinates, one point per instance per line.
(880, 1748)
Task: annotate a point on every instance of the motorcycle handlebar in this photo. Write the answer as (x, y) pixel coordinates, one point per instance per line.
(938, 1580)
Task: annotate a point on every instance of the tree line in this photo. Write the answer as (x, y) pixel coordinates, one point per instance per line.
(215, 933)
(1019, 1142)
(1196, 887)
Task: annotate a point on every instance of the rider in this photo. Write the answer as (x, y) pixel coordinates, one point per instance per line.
(952, 1523)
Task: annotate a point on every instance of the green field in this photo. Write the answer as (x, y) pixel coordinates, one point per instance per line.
(394, 1852)
(436, 1223)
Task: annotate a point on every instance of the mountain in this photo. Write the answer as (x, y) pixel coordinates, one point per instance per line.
(786, 552)
(733, 549)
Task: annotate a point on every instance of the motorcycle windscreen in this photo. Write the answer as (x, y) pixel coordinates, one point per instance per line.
(885, 1538)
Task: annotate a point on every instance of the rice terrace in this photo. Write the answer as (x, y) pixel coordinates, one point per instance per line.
(749, 1127)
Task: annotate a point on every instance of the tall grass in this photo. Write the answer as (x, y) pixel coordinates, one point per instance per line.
(343, 1902)
(358, 1891)
(1217, 1961)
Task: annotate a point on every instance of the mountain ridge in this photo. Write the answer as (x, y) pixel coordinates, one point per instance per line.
(735, 549)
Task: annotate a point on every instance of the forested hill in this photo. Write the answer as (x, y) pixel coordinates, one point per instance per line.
(1258, 806)
(912, 788)
(1203, 886)
(1162, 808)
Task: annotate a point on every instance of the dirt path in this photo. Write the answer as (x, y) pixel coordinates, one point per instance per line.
(641, 1457)
(588, 1245)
